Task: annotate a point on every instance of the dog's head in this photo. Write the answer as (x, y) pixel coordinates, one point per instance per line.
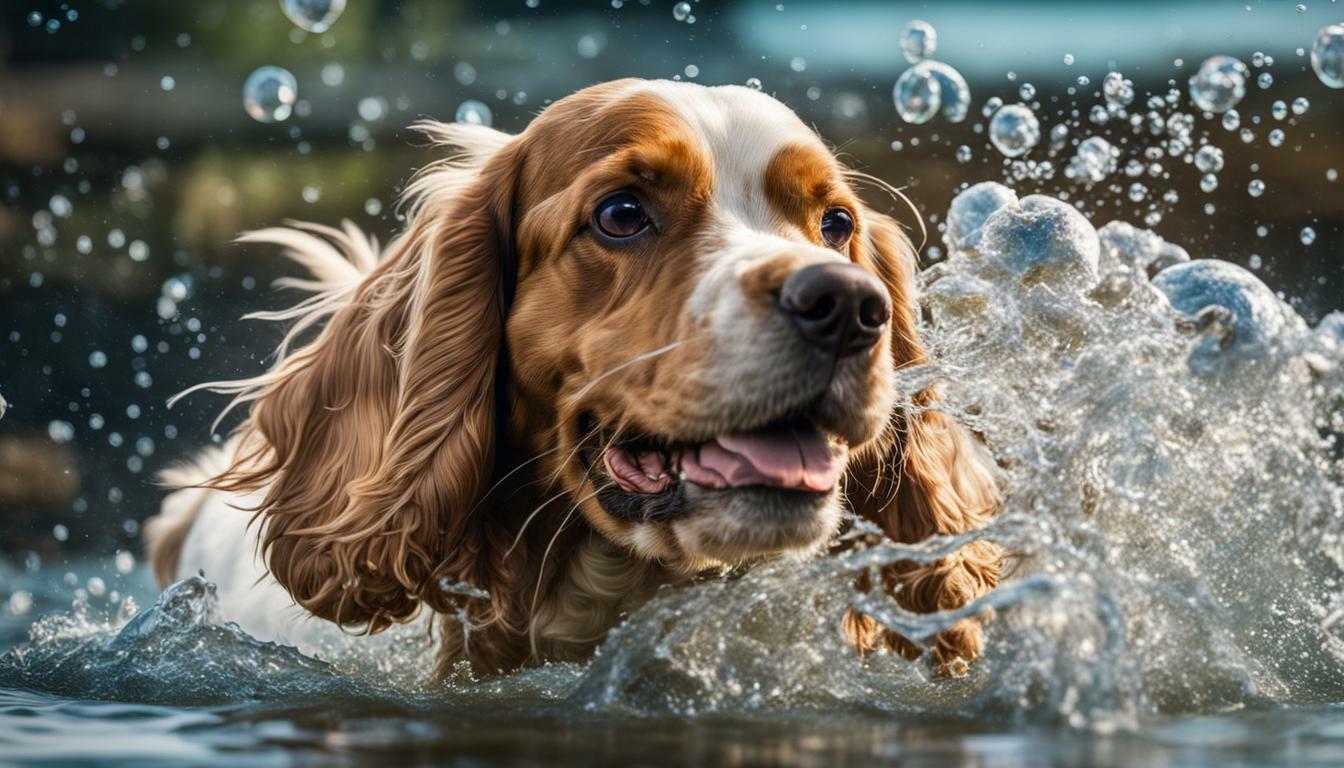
(666, 298)
(701, 329)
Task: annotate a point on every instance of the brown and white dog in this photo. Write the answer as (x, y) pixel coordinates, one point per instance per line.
(651, 337)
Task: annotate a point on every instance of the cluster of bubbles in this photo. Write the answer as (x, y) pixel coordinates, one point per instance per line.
(928, 87)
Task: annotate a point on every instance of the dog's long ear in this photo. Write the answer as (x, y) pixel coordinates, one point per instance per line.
(374, 443)
(926, 475)
(943, 480)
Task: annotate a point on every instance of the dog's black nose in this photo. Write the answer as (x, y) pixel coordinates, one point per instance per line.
(841, 308)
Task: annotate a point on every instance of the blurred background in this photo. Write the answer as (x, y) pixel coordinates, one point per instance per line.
(128, 164)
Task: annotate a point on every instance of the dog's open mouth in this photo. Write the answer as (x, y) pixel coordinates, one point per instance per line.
(793, 456)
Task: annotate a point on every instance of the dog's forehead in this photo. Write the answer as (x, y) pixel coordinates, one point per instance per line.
(743, 131)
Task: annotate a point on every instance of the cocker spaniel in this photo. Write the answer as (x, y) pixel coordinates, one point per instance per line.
(651, 337)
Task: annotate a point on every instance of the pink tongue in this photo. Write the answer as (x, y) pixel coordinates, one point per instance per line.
(795, 457)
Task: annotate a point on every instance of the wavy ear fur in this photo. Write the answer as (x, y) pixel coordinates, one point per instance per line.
(927, 475)
(374, 442)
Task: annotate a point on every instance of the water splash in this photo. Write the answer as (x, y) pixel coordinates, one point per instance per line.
(1168, 428)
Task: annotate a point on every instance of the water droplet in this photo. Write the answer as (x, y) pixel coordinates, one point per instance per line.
(1264, 80)
(269, 94)
(1014, 130)
(1327, 55)
(754, 83)
(1137, 192)
(314, 16)
(124, 561)
(1301, 8)
(1255, 188)
(1219, 84)
(963, 154)
(1027, 92)
(1095, 160)
(1068, 59)
(1308, 235)
(474, 112)
(1278, 110)
(918, 41)
(1208, 182)
(60, 532)
(681, 11)
(371, 108)
(20, 602)
(1231, 119)
(1119, 92)
(1276, 137)
(333, 74)
(97, 359)
(1209, 159)
(1300, 105)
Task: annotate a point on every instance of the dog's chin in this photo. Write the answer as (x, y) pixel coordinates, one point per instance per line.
(733, 525)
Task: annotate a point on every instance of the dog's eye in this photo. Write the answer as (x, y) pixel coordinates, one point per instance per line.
(620, 216)
(836, 227)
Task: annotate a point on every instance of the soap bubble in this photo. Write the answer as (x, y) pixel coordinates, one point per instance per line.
(1279, 110)
(1327, 55)
(1043, 240)
(955, 94)
(1300, 105)
(681, 11)
(918, 41)
(1027, 92)
(1118, 90)
(917, 95)
(474, 112)
(1255, 188)
(1095, 160)
(269, 94)
(930, 86)
(1209, 159)
(969, 210)
(1219, 84)
(314, 16)
(1265, 80)
(1014, 130)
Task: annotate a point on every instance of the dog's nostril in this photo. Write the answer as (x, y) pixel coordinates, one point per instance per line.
(840, 308)
(820, 309)
(874, 312)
